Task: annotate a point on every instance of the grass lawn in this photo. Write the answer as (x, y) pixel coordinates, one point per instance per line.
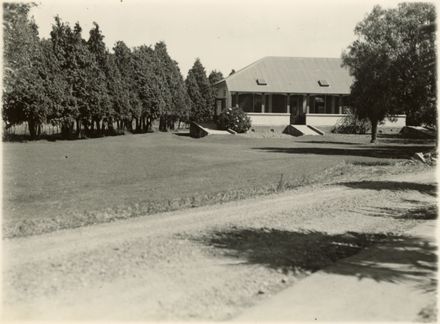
(53, 185)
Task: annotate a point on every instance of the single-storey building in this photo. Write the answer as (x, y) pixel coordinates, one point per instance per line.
(278, 91)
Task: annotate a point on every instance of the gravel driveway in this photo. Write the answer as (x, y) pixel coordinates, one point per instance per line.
(205, 263)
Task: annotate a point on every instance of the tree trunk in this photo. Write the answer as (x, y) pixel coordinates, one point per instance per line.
(32, 129)
(149, 121)
(137, 124)
(110, 126)
(98, 127)
(86, 128)
(78, 128)
(172, 122)
(373, 131)
(66, 129)
(163, 123)
(104, 126)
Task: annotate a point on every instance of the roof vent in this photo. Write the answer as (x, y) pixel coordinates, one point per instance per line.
(261, 82)
(323, 83)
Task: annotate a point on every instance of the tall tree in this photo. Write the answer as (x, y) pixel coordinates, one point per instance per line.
(99, 73)
(80, 71)
(388, 63)
(199, 92)
(24, 95)
(178, 101)
(119, 93)
(151, 85)
(125, 61)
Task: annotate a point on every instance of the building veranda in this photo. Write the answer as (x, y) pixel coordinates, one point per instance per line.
(278, 91)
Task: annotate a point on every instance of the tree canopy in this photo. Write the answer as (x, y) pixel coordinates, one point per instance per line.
(200, 93)
(392, 62)
(79, 84)
(25, 72)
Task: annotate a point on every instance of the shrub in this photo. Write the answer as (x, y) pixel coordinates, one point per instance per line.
(235, 119)
(350, 124)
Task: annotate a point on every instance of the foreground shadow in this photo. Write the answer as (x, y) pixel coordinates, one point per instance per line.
(427, 212)
(183, 134)
(328, 142)
(424, 188)
(309, 251)
(388, 151)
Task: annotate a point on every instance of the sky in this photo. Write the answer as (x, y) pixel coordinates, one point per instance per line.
(224, 34)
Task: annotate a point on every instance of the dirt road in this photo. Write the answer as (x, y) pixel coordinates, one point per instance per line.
(205, 263)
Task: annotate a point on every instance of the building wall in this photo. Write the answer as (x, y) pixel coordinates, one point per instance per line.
(332, 120)
(400, 122)
(221, 90)
(323, 119)
(223, 93)
(269, 119)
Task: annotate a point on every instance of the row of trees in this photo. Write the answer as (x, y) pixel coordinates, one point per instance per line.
(393, 61)
(78, 84)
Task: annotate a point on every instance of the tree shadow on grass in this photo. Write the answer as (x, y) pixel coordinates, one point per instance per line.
(372, 163)
(424, 188)
(329, 142)
(427, 212)
(387, 152)
(309, 251)
(183, 134)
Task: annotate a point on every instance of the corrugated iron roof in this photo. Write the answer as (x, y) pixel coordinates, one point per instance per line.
(292, 75)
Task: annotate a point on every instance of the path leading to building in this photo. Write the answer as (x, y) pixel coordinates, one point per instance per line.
(218, 262)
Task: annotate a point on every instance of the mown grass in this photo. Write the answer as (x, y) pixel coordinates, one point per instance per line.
(51, 186)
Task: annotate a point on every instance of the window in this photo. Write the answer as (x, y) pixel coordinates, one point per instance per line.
(261, 82)
(245, 102)
(319, 105)
(279, 103)
(323, 83)
(257, 102)
(328, 104)
(234, 99)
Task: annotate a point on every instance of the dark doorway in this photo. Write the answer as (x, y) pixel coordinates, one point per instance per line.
(296, 113)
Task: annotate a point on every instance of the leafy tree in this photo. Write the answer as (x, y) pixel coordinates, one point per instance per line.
(56, 87)
(177, 97)
(66, 80)
(24, 96)
(199, 92)
(214, 77)
(151, 85)
(388, 62)
(125, 61)
(120, 93)
(78, 68)
(99, 73)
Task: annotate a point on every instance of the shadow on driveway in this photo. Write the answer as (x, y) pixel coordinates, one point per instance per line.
(427, 212)
(309, 251)
(429, 189)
